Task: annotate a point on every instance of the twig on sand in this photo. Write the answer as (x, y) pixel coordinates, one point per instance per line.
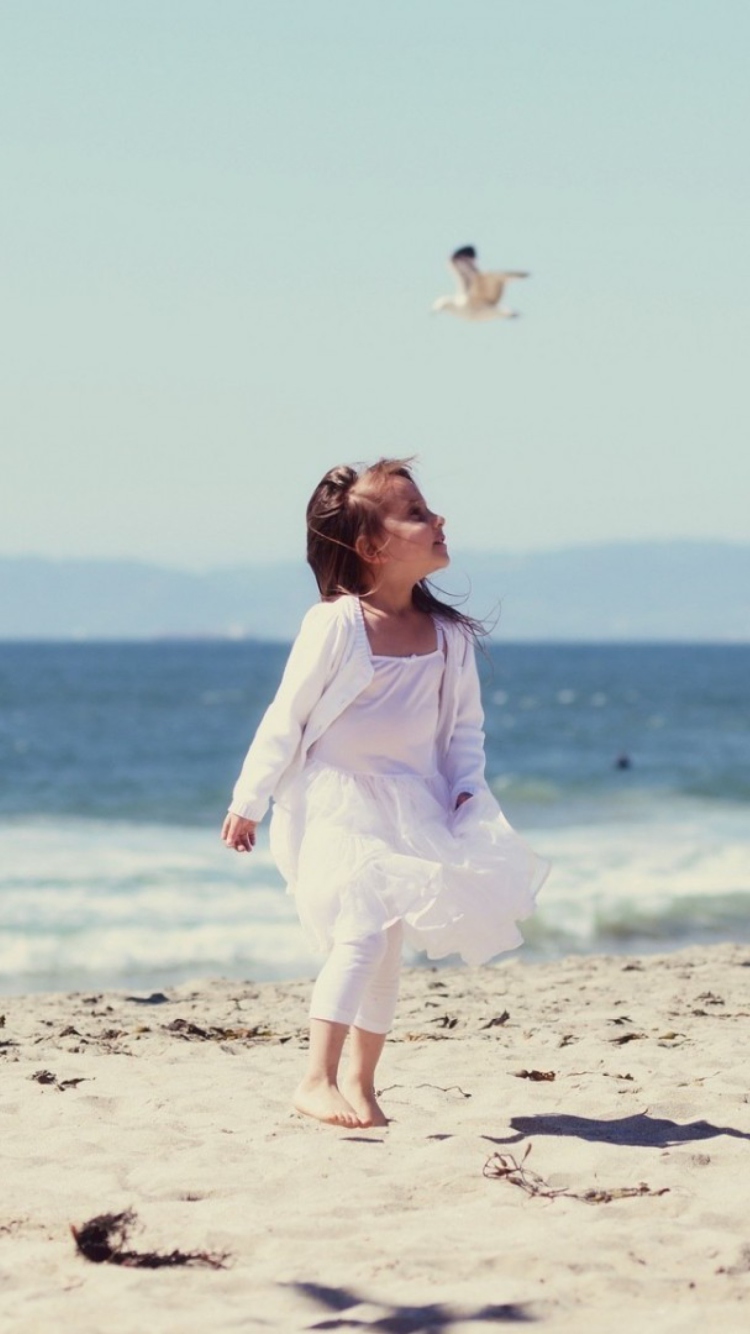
(504, 1165)
(102, 1240)
(452, 1088)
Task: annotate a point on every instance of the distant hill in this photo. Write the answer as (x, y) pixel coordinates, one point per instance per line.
(687, 591)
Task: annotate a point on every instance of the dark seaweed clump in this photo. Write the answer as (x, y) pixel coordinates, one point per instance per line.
(103, 1240)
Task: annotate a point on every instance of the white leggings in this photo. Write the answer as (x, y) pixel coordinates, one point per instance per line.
(358, 983)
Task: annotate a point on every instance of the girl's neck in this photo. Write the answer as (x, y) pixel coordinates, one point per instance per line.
(390, 595)
(389, 600)
(391, 589)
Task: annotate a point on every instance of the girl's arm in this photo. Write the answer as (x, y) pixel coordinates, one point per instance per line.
(465, 760)
(310, 666)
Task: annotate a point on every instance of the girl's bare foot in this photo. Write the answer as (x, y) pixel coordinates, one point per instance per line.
(365, 1104)
(325, 1102)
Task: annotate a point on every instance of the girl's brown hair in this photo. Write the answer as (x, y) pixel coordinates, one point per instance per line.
(345, 506)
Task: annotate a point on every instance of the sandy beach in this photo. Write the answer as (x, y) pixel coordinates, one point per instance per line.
(568, 1149)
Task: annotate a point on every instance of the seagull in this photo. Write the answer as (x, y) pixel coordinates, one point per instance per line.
(478, 294)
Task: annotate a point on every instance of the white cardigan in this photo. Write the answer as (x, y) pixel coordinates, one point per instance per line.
(329, 665)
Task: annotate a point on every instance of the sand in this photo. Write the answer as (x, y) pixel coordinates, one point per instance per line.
(178, 1109)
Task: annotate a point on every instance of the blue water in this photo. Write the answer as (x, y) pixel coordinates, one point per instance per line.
(116, 763)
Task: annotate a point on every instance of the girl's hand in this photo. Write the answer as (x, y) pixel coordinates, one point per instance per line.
(239, 833)
(462, 797)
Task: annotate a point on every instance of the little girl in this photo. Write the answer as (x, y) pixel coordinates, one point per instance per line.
(373, 752)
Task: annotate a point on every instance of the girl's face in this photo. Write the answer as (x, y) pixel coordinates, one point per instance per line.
(413, 534)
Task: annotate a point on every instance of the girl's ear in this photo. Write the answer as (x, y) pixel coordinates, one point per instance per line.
(367, 550)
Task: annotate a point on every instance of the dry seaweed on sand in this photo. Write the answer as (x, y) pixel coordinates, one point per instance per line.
(497, 1020)
(47, 1077)
(103, 1239)
(504, 1165)
(185, 1028)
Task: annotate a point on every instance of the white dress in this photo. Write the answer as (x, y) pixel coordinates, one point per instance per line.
(367, 835)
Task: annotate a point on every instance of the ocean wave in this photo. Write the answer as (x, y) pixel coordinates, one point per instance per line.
(85, 904)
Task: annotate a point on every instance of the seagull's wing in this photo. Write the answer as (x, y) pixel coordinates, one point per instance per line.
(463, 264)
(488, 288)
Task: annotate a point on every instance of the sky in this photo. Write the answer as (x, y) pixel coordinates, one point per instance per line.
(224, 223)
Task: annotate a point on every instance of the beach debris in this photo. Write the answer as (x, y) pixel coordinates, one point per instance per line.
(622, 1038)
(478, 294)
(700, 1013)
(47, 1077)
(451, 1088)
(445, 1021)
(185, 1028)
(710, 998)
(741, 1265)
(497, 1020)
(506, 1167)
(156, 998)
(620, 1019)
(537, 1075)
(103, 1239)
(704, 1014)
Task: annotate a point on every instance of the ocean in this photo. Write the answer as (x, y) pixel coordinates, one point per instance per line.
(628, 766)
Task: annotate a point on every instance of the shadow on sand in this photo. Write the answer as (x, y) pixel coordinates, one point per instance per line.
(641, 1130)
(431, 1319)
